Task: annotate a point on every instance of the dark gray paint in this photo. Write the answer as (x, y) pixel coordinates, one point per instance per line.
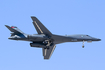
(45, 39)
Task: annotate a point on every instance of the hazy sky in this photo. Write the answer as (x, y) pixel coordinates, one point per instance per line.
(60, 17)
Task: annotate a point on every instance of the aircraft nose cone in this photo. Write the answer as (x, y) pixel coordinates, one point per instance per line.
(96, 39)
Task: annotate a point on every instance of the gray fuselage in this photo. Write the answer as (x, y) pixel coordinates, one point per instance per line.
(55, 38)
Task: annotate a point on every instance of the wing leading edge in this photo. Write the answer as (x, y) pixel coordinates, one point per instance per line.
(48, 52)
(41, 29)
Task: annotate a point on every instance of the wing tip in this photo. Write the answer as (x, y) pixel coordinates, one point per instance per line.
(33, 18)
(46, 58)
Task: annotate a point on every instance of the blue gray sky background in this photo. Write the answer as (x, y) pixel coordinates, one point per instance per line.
(60, 17)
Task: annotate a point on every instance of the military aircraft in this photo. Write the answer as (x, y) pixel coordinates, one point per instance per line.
(45, 39)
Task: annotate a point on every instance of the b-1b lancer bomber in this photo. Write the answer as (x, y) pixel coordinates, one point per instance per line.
(45, 39)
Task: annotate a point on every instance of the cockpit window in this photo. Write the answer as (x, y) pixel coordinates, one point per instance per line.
(88, 35)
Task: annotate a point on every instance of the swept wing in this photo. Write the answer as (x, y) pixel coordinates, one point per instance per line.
(41, 29)
(48, 52)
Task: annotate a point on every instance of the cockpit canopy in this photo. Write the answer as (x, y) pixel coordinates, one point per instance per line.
(85, 36)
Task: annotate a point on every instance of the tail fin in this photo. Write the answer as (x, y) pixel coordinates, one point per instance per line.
(14, 29)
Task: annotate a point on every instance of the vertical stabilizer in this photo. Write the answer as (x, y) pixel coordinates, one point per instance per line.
(15, 31)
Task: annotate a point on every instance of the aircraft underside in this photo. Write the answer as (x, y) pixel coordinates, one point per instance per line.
(45, 39)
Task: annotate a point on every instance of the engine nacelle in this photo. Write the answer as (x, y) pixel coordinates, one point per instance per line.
(39, 45)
